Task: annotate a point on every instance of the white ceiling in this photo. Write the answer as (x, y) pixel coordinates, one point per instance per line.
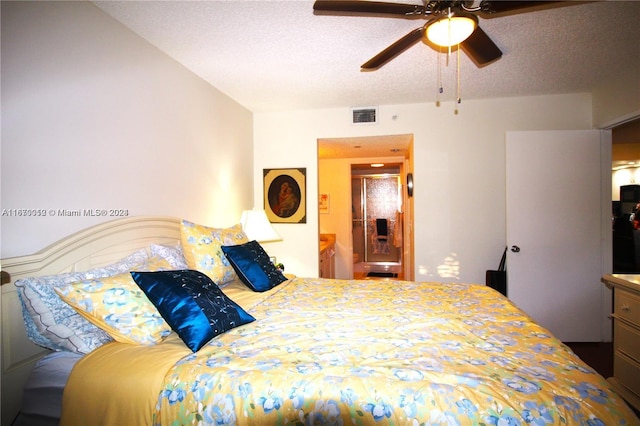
(277, 55)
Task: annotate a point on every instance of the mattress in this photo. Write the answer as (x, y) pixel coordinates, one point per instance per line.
(42, 395)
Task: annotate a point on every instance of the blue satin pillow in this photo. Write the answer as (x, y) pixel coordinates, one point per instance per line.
(192, 304)
(253, 266)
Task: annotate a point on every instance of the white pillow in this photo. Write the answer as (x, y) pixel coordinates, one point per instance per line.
(52, 323)
(171, 253)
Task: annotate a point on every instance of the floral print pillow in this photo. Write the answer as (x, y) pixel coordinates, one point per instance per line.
(201, 246)
(119, 307)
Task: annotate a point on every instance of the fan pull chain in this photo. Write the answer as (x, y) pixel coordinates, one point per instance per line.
(449, 33)
(439, 75)
(440, 90)
(458, 99)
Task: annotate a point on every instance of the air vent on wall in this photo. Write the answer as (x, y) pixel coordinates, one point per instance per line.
(366, 115)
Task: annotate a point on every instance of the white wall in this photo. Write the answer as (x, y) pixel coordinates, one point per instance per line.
(94, 117)
(459, 173)
(335, 180)
(617, 98)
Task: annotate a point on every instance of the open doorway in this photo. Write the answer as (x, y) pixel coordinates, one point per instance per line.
(376, 194)
(338, 213)
(625, 178)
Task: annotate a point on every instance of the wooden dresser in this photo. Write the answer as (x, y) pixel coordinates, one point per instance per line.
(626, 335)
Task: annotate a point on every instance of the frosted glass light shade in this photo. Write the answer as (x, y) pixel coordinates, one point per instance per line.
(450, 30)
(257, 226)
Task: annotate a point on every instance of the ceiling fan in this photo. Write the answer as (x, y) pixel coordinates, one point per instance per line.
(477, 44)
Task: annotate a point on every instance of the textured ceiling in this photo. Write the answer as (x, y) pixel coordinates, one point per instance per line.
(278, 55)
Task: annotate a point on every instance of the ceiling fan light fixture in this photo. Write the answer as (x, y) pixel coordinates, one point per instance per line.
(451, 29)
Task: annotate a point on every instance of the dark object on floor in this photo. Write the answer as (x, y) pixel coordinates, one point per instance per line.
(497, 280)
(598, 356)
(382, 274)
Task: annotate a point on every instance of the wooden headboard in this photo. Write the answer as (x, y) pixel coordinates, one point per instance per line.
(95, 246)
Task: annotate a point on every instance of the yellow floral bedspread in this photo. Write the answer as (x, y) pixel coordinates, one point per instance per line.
(335, 352)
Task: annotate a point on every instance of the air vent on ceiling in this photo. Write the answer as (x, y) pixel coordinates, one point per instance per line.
(366, 115)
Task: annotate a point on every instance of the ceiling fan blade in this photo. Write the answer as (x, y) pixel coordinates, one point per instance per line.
(394, 50)
(480, 48)
(368, 7)
(489, 8)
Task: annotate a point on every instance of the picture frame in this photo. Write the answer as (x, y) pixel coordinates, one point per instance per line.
(323, 203)
(285, 193)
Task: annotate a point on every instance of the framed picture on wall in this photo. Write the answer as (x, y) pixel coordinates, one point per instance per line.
(285, 194)
(323, 203)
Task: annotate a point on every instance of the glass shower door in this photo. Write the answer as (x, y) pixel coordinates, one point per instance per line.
(376, 231)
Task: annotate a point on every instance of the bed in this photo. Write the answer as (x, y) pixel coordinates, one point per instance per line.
(294, 351)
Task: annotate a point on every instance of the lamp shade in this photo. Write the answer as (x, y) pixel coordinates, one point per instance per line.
(257, 226)
(451, 30)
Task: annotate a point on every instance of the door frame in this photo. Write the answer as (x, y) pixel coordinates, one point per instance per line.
(606, 231)
(607, 236)
(380, 154)
(364, 178)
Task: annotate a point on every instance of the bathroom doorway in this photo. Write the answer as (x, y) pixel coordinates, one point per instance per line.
(376, 198)
(336, 156)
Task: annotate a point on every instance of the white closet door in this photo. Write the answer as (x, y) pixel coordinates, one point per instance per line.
(554, 219)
